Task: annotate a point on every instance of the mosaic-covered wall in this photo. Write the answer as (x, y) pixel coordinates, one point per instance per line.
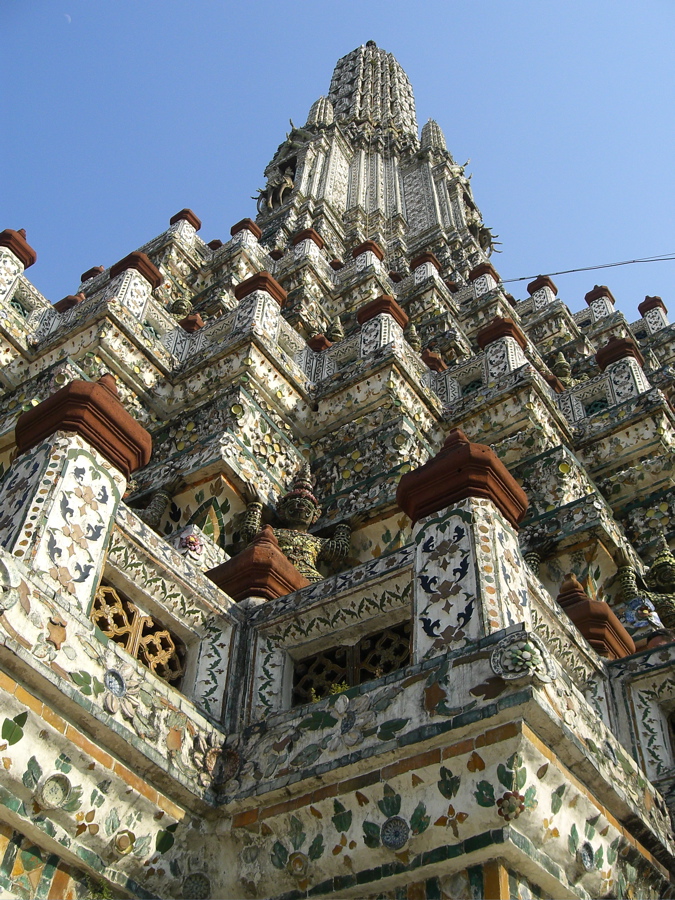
(389, 610)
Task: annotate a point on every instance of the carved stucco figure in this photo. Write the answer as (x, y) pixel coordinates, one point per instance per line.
(298, 509)
(660, 581)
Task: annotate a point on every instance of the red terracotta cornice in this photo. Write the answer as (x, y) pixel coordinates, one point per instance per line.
(600, 290)
(571, 591)
(69, 302)
(651, 303)
(425, 258)
(91, 273)
(615, 349)
(246, 225)
(16, 243)
(93, 410)
(186, 215)
(452, 286)
(215, 244)
(433, 360)
(142, 264)
(383, 304)
(485, 268)
(500, 327)
(366, 246)
(319, 342)
(541, 281)
(596, 621)
(336, 265)
(554, 382)
(263, 281)
(191, 323)
(460, 470)
(261, 570)
(308, 234)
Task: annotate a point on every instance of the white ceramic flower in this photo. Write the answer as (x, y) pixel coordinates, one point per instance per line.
(122, 685)
(121, 681)
(355, 716)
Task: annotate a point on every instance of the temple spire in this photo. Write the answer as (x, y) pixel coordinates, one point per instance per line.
(357, 171)
(369, 86)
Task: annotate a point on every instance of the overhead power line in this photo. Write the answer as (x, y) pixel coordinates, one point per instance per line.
(667, 257)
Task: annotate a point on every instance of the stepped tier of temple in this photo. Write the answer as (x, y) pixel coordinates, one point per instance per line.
(327, 567)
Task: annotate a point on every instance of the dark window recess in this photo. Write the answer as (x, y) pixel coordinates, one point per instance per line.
(141, 635)
(596, 406)
(671, 732)
(343, 667)
(150, 331)
(18, 306)
(472, 386)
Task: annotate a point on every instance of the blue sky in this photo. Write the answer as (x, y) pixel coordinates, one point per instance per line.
(118, 113)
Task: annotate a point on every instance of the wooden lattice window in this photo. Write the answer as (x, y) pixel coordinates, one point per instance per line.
(18, 306)
(600, 404)
(343, 667)
(472, 386)
(141, 635)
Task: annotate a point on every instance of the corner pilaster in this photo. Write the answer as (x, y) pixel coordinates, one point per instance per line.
(60, 496)
(470, 577)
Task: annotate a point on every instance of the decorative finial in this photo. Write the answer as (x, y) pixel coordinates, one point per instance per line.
(321, 113)
(413, 338)
(432, 136)
(336, 332)
(563, 370)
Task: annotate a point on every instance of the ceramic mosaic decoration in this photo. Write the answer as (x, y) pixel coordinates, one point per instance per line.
(327, 568)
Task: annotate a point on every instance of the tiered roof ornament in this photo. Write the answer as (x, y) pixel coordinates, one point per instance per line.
(321, 113)
(432, 136)
(369, 87)
(362, 142)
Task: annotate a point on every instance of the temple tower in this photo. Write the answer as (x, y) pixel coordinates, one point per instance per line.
(328, 568)
(358, 171)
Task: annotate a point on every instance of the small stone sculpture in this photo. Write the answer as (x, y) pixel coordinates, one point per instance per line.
(272, 195)
(298, 509)
(563, 370)
(181, 308)
(660, 579)
(159, 502)
(413, 338)
(336, 332)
